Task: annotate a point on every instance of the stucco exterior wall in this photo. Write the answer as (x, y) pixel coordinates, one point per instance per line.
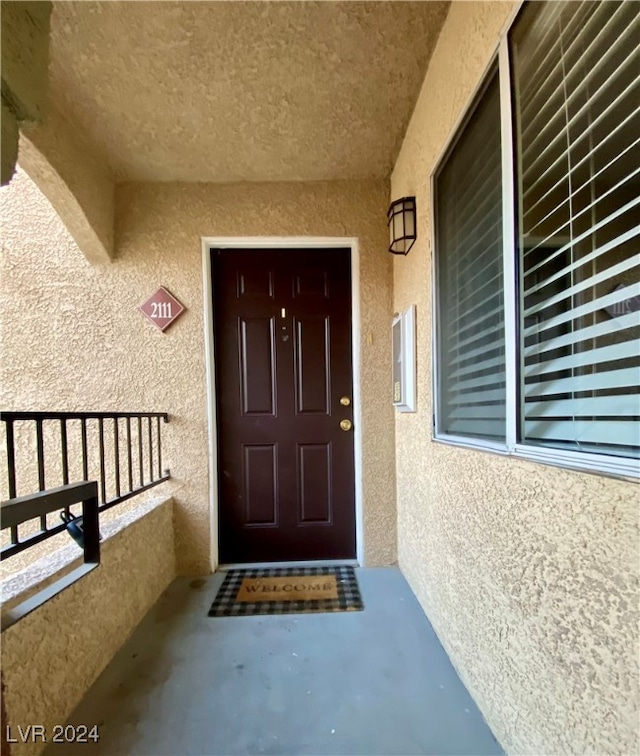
(75, 181)
(47, 672)
(528, 573)
(74, 340)
(25, 59)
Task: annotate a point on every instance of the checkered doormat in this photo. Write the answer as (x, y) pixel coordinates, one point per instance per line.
(277, 590)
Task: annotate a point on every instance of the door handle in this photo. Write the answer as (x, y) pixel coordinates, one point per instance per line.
(346, 425)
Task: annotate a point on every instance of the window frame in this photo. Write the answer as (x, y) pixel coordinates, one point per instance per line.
(480, 90)
(591, 462)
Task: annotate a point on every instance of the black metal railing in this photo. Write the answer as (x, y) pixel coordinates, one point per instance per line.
(22, 509)
(125, 458)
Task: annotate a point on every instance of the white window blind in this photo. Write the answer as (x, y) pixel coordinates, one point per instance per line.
(471, 357)
(576, 107)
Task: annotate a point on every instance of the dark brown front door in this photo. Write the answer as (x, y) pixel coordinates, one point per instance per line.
(284, 384)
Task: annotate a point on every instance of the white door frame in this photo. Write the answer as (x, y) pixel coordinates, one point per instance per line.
(278, 242)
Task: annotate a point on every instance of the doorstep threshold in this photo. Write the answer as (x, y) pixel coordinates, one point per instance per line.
(282, 565)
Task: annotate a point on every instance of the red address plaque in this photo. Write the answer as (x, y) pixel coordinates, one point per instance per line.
(162, 308)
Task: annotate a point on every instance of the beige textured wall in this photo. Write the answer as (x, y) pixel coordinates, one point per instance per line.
(47, 673)
(528, 573)
(25, 81)
(78, 185)
(73, 338)
(284, 91)
(10, 135)
(25, 57)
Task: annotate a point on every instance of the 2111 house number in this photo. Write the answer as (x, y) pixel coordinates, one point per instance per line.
(34, 733)
(162, 308)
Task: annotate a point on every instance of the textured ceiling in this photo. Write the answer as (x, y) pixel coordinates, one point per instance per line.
(242, 91)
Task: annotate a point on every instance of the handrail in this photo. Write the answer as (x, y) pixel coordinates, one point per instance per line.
(16, 511)
(134, 464)
(79, 415)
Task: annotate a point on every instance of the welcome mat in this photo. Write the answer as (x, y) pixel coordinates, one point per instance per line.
(289, 590)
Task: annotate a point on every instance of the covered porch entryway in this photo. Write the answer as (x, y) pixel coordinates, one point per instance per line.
(149, 131)
(370, 682)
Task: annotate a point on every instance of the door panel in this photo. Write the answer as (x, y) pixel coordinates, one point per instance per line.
(314, 484)
(283, 360)
(311, 283)
(257, 365)
(260, 483)
(312, 365)
(255, 284)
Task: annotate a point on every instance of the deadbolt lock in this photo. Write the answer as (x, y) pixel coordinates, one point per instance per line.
(345, 425)
(345, 401)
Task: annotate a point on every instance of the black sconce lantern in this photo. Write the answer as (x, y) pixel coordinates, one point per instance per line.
(402, 225)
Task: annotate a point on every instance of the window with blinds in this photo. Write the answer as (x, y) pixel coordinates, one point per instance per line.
(574, 71)
(471, 360)
(559, 380)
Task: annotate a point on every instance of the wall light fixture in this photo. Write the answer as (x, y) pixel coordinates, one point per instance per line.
(402, 225)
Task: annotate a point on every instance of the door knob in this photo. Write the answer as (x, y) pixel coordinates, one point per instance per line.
(345, 425)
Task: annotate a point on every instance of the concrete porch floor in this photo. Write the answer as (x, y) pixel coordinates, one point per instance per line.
(371, 682)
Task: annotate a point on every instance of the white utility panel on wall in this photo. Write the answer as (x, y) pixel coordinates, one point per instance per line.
(403, 332)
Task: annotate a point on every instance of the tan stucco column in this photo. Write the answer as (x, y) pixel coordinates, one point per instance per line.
(25, 61)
